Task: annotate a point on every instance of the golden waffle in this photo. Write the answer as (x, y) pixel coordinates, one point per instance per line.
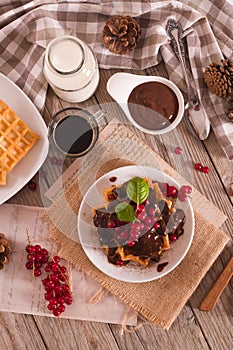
(3, 106)
(2, 177)
(122, 251)
(16, 138)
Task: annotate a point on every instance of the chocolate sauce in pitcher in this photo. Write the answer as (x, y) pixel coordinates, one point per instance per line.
(153, 105)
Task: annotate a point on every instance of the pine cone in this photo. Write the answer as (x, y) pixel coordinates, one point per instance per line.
(230, 114)
(121, 34)
(219, 79)
(5, 250)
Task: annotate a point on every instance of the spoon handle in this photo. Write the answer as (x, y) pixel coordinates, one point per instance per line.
(175, 31)
(212, 297)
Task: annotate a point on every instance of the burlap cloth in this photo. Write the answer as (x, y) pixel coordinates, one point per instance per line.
(26, 28)
(159, 301)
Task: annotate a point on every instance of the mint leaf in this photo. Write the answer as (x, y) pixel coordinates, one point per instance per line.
(137, 190)
(125, 212)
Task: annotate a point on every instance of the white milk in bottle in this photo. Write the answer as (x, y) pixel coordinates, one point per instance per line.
(71, 69)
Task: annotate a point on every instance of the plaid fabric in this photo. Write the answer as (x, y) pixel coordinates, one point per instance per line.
(27, 27)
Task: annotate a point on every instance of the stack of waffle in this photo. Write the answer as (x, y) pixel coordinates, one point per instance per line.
(16, 139)
(152, 241)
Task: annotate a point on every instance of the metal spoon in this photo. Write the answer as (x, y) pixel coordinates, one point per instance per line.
(195, 116)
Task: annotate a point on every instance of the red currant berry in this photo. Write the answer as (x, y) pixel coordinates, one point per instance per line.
(60, 300)
(48, 296)
(186, 189)
(56, 313)
(198, 166)
(56, 259)
(205, 169)
(230, 189)
(178, 150)
(131, 244)
(55, 267)
(49, 286)
(44, 252)
(29, 265)
(54, 278)
(63, 269)
(37, 248)
(38, 264)
(111, 224)
(172, 191)
(53, 301)
(51, 307)
(61, 308)
(32, 185)
(156, 225)
(123, 235)
(173, 238)
(66, 288)
(182, 197)
(37, 272)
(47, 268)
(30, 249)
(54, 160)
(31, 257)
(62, 278)
(58, 289)
(45, 281)
(66, 294)
(111, 196)
(45, 259)
(39, 257)
(68, 300)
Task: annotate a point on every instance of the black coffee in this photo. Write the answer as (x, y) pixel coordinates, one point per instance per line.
(74, 134)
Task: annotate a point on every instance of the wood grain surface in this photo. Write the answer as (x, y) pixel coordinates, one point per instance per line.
(193, 329)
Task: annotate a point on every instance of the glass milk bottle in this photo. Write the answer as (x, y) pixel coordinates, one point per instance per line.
(71, 69)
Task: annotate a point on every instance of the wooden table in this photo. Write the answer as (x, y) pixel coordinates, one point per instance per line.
(193, 329)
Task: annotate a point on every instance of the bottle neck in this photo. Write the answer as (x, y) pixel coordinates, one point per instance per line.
(65, 55)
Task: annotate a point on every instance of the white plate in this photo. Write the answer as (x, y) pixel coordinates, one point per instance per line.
(88, 235)
(30, 164)
(129, 82)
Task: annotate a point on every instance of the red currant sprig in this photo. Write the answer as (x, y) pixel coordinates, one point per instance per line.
(58, 291)
(36, 257)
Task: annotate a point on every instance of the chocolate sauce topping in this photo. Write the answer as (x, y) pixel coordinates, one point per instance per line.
(150, 241)
(153, 105)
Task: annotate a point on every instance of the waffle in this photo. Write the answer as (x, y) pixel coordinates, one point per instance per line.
(16, 139)
(150, 244)
(3, 177)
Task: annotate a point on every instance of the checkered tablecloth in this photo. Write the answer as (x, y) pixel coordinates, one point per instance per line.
(26, 27)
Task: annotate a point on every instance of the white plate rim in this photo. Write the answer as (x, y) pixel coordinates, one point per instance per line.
(108, 268)
(11, 94)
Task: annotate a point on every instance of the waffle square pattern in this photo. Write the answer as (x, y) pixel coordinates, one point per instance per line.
(16, 139)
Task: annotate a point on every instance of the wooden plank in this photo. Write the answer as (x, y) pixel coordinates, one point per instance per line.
(185, 333)
(73, 334)
(19, 332)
